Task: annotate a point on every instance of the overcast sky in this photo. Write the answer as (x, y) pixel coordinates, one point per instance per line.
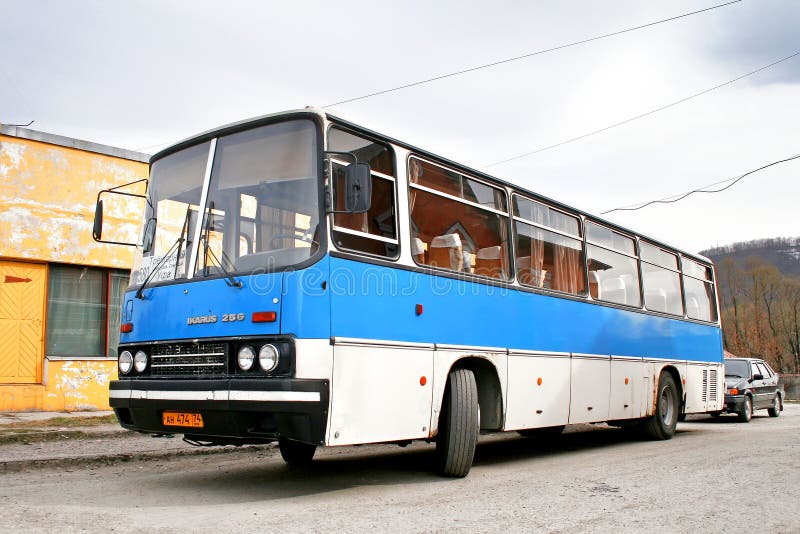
(138, 74)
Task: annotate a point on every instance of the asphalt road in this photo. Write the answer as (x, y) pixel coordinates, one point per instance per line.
(713, 476)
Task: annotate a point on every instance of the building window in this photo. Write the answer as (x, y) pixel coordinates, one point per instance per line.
(80, 308)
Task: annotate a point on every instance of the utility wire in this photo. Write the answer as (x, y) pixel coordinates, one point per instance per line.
(704, 189)
(642, 115)
(528, 55)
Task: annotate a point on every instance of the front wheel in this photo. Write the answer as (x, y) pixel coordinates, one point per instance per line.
(661, 425)
(296, 452)
(459, 424)
(775, 411)
(746, 411)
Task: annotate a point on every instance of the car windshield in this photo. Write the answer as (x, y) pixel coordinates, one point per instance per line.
(737, 368)
(261, 213)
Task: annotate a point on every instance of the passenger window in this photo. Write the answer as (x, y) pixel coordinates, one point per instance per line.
(373, 232)
(468, 233)
(754, 369)
(613, 272)
(699, 291)
(763, 369)
(660, 280)
(547, 258)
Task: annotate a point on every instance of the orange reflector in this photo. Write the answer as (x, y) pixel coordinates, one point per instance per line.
(265, 317)
(423, 381)
(734, 391)
(419, 309)
(539, 381)
(626, 380)
(126, 328)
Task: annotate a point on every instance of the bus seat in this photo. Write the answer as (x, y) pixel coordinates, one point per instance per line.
(445, 251)
(656, 300)
(613, 289)
(529, 276)
(418, 249)
(489, 262)
(692, 306)
(594, 285)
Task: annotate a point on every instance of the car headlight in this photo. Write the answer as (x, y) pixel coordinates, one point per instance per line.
(268, 357)
(246, 357)
(125, 362)
(140, 361)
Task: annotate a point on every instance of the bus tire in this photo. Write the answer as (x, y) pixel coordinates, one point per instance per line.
(296, 452)
(459, 425)
(661, 425)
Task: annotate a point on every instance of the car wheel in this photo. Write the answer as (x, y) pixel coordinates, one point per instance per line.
(459, 424)
(775, 411)
(661, 425)
(296, 452)
(746, 412)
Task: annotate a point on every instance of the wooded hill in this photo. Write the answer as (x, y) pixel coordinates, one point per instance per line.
(759, 286)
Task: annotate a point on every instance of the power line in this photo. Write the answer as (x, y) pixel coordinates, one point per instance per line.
(704, 189)
(642, 115)
(528, 55)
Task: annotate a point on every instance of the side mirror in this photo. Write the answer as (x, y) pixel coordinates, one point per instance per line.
(358, 188)
(97, 228)
(758, 376)
(149, 235)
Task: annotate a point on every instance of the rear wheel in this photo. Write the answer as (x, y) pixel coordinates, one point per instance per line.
(746, 411)
(459, 424)
(296, 452)
(661, 425)
(775, 411)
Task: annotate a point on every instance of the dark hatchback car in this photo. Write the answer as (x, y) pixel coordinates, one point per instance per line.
(751, 384)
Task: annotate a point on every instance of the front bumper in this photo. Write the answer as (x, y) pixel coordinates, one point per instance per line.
(733, 403)
(234, 411)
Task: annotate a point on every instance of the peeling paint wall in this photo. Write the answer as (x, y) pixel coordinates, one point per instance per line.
(47, 198)
(71, 385)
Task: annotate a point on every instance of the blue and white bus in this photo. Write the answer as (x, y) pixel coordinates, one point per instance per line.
(305, 280)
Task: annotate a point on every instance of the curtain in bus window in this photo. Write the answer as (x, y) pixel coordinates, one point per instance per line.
(568, 273)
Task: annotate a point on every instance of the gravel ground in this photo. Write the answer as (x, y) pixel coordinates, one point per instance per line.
(713, 475)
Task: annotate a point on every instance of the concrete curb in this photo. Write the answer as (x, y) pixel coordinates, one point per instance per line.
(15, 466)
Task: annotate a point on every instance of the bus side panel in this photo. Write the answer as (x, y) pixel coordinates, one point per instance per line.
(538, 391)
(589, 389)
(380, 394)
(375, 302)
(629, 389)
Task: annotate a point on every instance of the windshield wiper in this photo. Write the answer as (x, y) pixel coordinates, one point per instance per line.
(229, 279)
(734, 376)
(177, 244)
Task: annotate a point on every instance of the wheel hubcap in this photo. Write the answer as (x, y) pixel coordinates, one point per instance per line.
(666, 406)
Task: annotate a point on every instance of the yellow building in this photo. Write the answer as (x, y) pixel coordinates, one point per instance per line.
(60, 291)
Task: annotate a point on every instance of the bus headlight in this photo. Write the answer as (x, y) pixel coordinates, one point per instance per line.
(125, 362)
(246, 357)
(140, 361)
(268, 357)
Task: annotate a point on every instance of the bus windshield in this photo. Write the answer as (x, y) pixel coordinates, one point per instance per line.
(261, 211)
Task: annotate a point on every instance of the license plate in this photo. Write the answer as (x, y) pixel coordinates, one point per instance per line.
(192, 420)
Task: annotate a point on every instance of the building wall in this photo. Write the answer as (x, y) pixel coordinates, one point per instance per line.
(48, 188)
